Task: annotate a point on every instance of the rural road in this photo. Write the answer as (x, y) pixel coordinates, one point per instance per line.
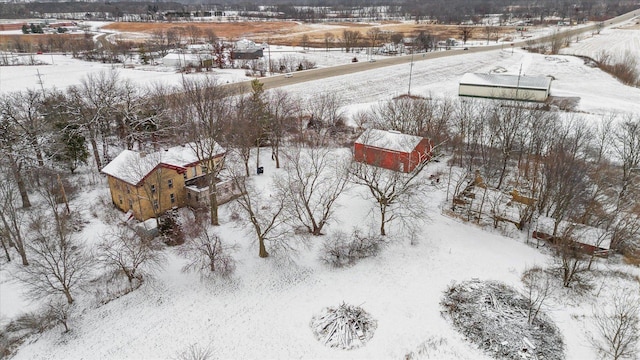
(350, 68)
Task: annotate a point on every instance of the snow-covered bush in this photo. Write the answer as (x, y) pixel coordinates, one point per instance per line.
(345, 327)
(493, 316)
(19, 329)
(339, 250)
(170, 229)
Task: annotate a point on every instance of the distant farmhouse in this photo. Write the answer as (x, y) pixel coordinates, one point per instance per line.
(392, 150)
(246, 50)
(508, 87)
(146, 185)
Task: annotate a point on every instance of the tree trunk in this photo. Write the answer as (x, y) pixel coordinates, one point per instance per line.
(263, 250)
(6, 250)
(213, 201)
(382, 220)
(67, 294)
(94, 149)
(17, 243)
(22, 188)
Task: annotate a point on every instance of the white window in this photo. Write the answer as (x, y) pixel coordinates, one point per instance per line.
(170, 184)
(173, 198)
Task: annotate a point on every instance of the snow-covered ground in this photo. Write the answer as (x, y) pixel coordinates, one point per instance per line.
(265, 310)
(617, 42)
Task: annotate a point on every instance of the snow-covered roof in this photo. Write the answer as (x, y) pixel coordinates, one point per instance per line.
(132, 166)
(580, 233)
(390, 140)
(246, 44)
(186, 57)
(510, 81)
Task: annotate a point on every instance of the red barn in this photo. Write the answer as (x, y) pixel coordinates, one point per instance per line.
(392, 150)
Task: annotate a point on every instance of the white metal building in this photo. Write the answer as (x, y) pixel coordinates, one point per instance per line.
(182, 60)
(511, 87)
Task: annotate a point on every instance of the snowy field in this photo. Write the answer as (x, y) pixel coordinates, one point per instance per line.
(616, 41)
(265, 309)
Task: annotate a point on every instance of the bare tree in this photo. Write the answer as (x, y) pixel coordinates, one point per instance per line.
(304, 41)
(465, 33)
(210, 35)
(350, 39)
(58, 263)
(565, 185)
(570, 260)
(126, 252)
(12, 219)
(193, 33)
(24, 111)
(205, 105)
(326, 116)
(265, 214)
(328, 39)
(627, 150)
(283, 110)
(491, 32)
(537, 287)
(398, 195)
(618, 327)
(207, 254)
(91, 107)
(374, 34)
(314, 179)
(10, 143)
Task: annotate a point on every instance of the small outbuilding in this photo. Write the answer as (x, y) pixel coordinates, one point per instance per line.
(508, 87)
(392, 150)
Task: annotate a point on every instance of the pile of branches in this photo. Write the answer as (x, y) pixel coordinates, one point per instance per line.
(493, 316)
(345, 327)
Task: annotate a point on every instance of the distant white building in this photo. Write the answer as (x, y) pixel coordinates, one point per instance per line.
(199, 48)
(509, 87)
(182, 60)
(247, 50)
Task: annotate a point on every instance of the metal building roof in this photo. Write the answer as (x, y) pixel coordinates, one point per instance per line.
(390, 140)
(508, 81)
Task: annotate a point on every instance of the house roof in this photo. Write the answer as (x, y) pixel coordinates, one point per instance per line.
(580, 233)
(509, 81)
(132, 166)
(390, 140)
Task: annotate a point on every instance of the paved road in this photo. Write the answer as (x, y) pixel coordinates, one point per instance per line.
(350, 68)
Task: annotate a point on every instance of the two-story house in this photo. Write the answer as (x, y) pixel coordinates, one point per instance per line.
(147, 185)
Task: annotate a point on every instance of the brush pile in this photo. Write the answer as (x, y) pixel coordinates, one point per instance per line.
(344, 327)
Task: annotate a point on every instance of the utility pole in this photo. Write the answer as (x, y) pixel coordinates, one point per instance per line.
(518, 83)
(410, 72)
(40, 81)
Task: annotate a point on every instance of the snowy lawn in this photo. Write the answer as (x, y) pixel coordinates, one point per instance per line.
(265, 309)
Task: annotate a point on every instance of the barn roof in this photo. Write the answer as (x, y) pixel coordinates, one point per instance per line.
(508, 81)
(390, 140)
(132, 166)
(580, 233)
